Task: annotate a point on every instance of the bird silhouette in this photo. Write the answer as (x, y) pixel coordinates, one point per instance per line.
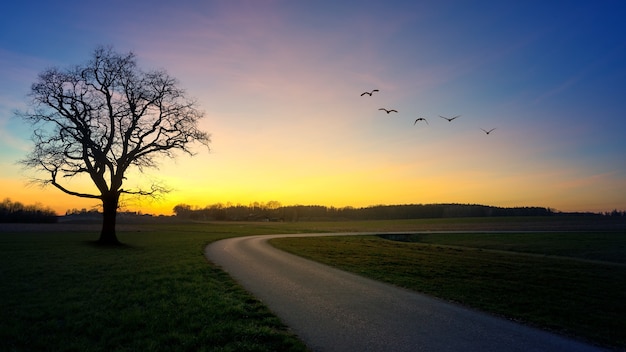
(450, 118)
(487, 132)
(388, 111)
(420, 119)
(369, 93)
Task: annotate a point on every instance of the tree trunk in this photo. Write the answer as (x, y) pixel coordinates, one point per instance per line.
(109, 216)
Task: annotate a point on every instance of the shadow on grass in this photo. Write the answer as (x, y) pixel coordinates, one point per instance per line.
(117, 246)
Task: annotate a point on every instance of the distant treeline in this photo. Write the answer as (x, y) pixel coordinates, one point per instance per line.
(17, 212)
(273, 211)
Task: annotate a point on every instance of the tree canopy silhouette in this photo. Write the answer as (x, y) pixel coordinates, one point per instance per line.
(103, 118)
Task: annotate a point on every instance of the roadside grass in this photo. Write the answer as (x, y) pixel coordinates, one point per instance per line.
(599, 246)
(505, 274)
(59, 292)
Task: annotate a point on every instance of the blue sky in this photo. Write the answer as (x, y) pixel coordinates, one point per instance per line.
(280, 83)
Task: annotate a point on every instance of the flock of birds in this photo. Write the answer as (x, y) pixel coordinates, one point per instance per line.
(419, 119)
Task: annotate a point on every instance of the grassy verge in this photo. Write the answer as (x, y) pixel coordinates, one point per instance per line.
(574, 295)
(60, 293)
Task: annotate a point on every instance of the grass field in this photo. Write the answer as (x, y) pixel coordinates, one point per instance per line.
(60, 293)
(572, 283)
(158, 293)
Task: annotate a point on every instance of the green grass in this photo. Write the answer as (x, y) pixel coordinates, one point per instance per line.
(159, 293)
(491, 272)
(598, 246)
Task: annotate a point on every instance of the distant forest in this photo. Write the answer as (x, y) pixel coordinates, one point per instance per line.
(17, 212)
(273, 211)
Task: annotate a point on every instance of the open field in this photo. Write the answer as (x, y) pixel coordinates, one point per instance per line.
(61, 293)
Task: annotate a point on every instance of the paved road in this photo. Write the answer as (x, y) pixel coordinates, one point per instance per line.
(332, 310)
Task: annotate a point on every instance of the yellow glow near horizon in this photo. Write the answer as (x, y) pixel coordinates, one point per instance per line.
(340, 177)
(345, 190)
(241, 173)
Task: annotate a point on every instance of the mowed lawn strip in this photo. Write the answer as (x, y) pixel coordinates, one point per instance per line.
(60, 293)
(577, 298)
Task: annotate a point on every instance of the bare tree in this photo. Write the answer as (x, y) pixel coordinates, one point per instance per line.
(103, 118)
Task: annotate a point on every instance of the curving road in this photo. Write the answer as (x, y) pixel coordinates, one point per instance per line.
(332, 310)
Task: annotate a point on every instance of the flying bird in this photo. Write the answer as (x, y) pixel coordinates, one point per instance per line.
(450, 118)
(388, 111)
(420, 119)
(487, 132)
(369, 93)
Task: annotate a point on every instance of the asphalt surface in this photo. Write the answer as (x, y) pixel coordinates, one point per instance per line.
(332, 310)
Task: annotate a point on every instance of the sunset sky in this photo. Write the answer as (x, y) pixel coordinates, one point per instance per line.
(280, 84)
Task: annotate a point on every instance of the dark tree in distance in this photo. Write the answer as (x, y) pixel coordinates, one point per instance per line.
(102, 119)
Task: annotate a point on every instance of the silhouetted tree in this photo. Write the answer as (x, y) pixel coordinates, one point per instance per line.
(102, 119)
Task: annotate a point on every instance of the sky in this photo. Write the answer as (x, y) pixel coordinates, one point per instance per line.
(280, 84)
